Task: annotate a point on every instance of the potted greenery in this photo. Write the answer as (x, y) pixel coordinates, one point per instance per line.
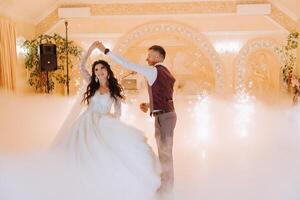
(288, 70)
(38, 78)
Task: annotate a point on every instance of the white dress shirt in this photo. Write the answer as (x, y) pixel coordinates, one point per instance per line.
(149, 72)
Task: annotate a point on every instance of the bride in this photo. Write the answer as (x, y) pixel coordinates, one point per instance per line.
(99, 157)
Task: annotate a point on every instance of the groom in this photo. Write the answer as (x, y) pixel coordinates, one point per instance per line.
(160, 89)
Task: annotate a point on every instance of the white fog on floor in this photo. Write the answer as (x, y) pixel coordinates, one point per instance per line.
(223, 149)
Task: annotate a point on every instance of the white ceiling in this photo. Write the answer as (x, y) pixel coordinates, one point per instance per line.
(34, 10)
(27, 10)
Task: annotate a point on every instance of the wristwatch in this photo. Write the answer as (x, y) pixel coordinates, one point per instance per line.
(106, 51)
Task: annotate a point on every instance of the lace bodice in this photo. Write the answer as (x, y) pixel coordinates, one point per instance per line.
(102, 104)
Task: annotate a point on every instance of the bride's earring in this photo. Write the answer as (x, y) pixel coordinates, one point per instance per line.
(96, 79)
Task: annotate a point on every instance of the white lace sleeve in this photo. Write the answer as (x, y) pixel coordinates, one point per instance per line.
(82, 67)
(117, 108)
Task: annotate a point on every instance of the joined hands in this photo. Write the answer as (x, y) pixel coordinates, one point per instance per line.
(98, 45)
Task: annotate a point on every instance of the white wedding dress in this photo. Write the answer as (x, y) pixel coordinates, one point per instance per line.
(98, 158)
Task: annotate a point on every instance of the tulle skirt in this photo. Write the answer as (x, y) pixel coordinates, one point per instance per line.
(99, 157)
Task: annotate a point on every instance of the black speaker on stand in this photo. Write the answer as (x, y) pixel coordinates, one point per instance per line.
(48, 59)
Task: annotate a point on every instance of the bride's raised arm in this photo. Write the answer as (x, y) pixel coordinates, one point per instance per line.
(82, 67)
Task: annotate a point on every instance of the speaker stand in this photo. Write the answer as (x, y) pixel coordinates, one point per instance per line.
(47, 76)
(67, 58)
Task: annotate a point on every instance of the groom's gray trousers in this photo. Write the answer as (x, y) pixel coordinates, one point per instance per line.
(164, 132)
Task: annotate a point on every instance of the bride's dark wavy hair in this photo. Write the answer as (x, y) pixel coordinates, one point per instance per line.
(115, 88)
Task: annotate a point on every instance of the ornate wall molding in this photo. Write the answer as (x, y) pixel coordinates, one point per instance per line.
(183, 30)
(250, 47)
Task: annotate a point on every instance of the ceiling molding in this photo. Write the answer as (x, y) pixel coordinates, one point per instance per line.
(283, 19)
(48, 22)
(134, 9)
(46, 13)
(285, 10)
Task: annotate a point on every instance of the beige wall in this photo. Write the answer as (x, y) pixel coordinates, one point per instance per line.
(24, 31)
(80, 27)
(217, 39)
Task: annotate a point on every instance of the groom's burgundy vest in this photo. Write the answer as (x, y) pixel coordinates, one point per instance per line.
(161, 92)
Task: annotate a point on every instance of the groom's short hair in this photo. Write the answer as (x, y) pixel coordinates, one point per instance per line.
(159, 49)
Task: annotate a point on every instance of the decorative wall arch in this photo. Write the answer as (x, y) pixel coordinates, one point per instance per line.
(183, 30)
(250, 47)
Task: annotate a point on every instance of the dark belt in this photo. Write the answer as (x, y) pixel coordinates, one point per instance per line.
(156, 113)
